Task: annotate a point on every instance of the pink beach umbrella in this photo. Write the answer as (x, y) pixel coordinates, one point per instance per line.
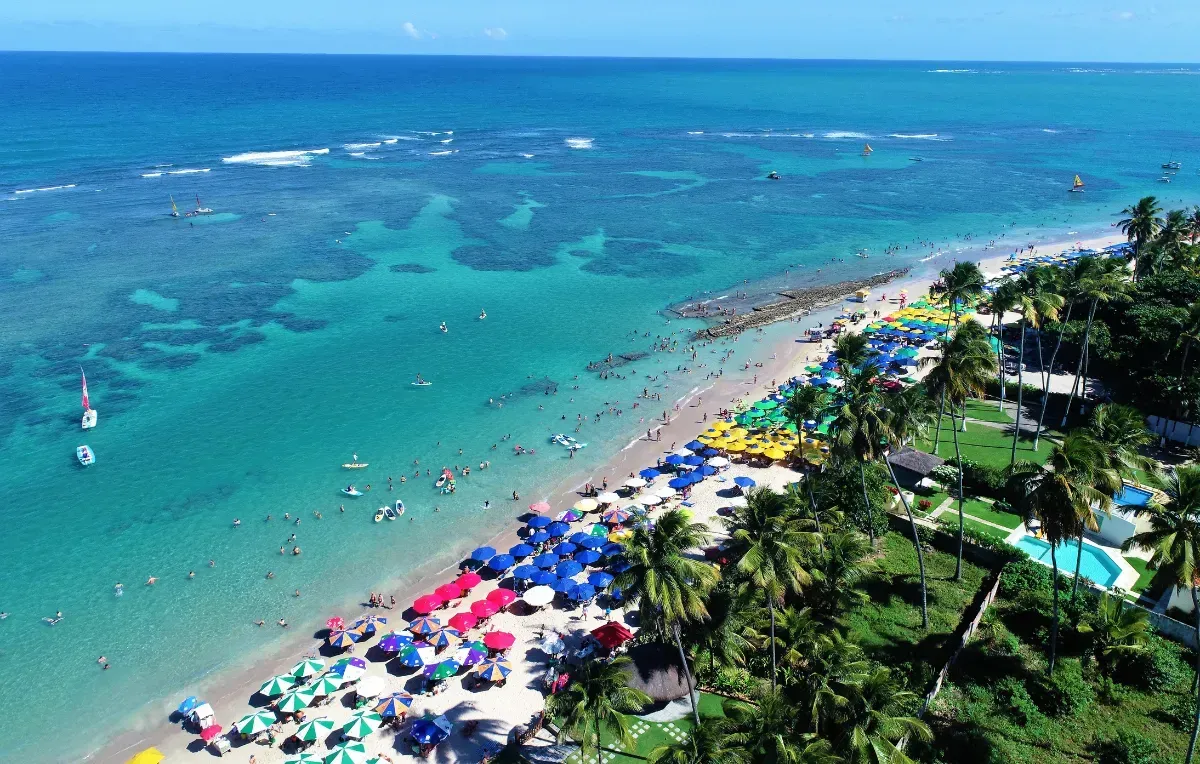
(502, 597)
(484, 609)
(463, 621)
(468, 581)
(499, 640)
(448, 592)
(539, 507)
(427, 604)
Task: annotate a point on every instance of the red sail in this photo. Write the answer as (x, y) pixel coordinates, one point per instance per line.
(86, 407)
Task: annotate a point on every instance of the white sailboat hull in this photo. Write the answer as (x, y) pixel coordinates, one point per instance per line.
(89, 419)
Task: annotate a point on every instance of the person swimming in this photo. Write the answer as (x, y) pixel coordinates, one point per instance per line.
(443, 328)
(119, 589)
(482, 314)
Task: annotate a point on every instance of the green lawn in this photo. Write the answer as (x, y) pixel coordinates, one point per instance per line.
(985, 511)
(1144, 573)
(935, 500)
(986, 445)
(986, 530)
(987, 411)
(650, 735)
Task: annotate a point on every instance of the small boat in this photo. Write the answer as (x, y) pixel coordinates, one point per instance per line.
(399, 508)
(568, 441)
(420, 382)
(915, 159)
(379, 514)
(355, 465)
(351, 491)
(867, 150)
(1165, 179)
(772, 175)
(85, 455)
(174, 209)
(388, 512)
(862, 253)
(482, 314)
(1172, 165)
(443, 327)
(441, 481)
(201, 209)
(1077, 186)
(89, 414)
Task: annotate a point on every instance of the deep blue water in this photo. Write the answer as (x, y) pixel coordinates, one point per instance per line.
(238, 361)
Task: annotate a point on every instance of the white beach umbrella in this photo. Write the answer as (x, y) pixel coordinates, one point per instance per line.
(664, 491)
(538, 596)
(552, 645)
(718, 461)
(636, 482)
(736, 501)
(369, 687)
(648, 499)
(608, 497)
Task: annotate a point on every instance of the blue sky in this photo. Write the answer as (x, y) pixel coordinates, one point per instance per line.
(1041, 30)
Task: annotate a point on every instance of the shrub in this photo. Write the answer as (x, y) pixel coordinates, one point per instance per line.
(1157, 668)
(945, 474)
(1128, 747)
(1066, 693)
(1024, 575)
(980, 478)
(1180, 711)
(1013, 698)
(924, 505)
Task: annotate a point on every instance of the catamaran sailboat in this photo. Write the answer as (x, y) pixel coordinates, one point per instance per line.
(1077, 187)
(1172, 165)
(174, 209)
(867, 150)
(89, 414)
(200, 209)
(85, 456)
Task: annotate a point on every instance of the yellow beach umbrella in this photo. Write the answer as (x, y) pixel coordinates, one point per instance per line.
(706, 440)
(736, 446)
(775, 453)
(148, 756)
(755, 450)
(722, 425)
(738, 432)
(713, 432)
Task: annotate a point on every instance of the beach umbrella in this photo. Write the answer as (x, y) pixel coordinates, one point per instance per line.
(463, 621)
(545, 560)
(393, 705)
(252, 724)
(414, 656)
(493, 670)
(568, 568)
(563, 585)
(425, 732)
(391, 643)
(704, 471)
(552, 644)
(326, 685)
(587, 557)
(543, 577)
(368, 623)
(539, 506)
(277, 685)
(348, 753)
(309, 758)
(693, 460)
(539, 537)
(615, 516)
(187, 705)
(582, 592)
(484, 609)
(524, 572)
(600, 529)
(664, 491)
(775, 453)
(636, 482)
(499, 640)
(608, 497)
(468, 581)
(427, 604)
(539, 522)
(679, 483)
(471, 653)
(610, 549)
(619, 566)
(620, 535)
(208, 733)
(297, 699)
(369, 687)
(448, 592)
(538, 596)
(424, 625)
(148, 756)
(569, 516)
(744, 482)
(600, 579)
(502, 597)
(577, 537)
(647, 474)
(649, 499)
(314, 730)
(558, 529)
(674, 459)
(483, 554)
(586, 505)
(307, 667)
(444, 637)
(349, 669)
(594, 542)
(694, 446)
(565, 549)
(501, 562)
(361, 724)
(443, 670)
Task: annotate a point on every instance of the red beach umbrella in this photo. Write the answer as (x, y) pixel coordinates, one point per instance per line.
(335, 624)
(539, 507)
(208, 733)
(501, 597)
(498, 640)
(448, 592)
(484, 608)
(463, 621)
(427, 604)
(468, 581)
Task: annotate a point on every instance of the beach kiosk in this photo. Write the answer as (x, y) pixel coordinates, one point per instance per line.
(862, 295)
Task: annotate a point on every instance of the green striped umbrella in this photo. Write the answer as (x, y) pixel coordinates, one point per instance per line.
(277, 685)
(326, 685)
(314, 729)
(305, 758)
(362, 723)
(307, 667)
(301, 697)
(348, 753)
(255, 722)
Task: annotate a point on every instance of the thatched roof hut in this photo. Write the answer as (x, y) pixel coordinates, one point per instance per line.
(657, 671)
(912, 466)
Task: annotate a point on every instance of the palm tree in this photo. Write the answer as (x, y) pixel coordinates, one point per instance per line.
(963, 287)
(1070, 280)
(1189, 334)
(1086, 462)
(836, 575)
(1105, 283)
(1173, 235)
(877, 720)
(1003, 298)
(1174, 542)
(597, 698)
(910, 413)
(1194, 224)
(825, 668)
(1036, 305)
(770, 542)
(961, 372)
(808, 404)
(1122, 431)
(1141, 225)
(850, 349)
(722, 634)
(1117, 631)
(860, 426)
(765, 731)
(669, 585)
(708, 743)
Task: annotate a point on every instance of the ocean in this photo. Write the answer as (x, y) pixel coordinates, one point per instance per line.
(237, 359)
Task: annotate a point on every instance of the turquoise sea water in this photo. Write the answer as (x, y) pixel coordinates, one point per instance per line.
(236, 362)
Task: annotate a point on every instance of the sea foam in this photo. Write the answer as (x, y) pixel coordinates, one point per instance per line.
(356, 146)
(47, 188)
(579, 143)
(275, 158)
(837, 134)
(189, 171)
(918, 136)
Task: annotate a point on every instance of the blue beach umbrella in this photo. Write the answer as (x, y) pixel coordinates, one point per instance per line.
(565, 549)
(541, 521)
(710, 452)
(568, 568)
(679, 483)
(411, 655)
(483, 554)
(587, 557)
(540, 537)
(563, 585)
(693, 460)
(582, 592)
(707, 470)
(674, 459)
(744, 482)
(501, 562)
(578, 537)
(694, 445)
(521, 550)
(188, 704)
(693, 477)
(524, 572)
(557, 530)
(649, 473)
(545, 560)
(543, 578)
(593, 542)
(612, 548)
(600, 579)
(619, 566)
(425, 732)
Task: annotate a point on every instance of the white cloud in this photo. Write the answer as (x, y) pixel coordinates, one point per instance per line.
(411, 30)
(496, 33)
(1125, 15)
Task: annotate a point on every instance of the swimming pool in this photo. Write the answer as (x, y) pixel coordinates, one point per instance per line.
(1095, 565)
(1132, 496)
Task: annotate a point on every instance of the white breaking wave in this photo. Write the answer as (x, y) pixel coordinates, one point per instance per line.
(275, 158)
(442, 153)
(695, 132)
(836, 134)
(918, 137)
(528, 156)
(152, 175)
(390, 141)
(580, 143)
(741, 135)
(48, 188)
(189, 171)
(952, 71)
(362, 155)
(1048, 130)
(362, 145)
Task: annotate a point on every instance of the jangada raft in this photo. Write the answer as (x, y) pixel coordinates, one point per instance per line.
(567, 441)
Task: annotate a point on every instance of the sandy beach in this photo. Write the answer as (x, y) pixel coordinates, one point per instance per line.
(499, 709)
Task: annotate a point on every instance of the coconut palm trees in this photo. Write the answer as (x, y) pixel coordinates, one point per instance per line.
(766, 732)
(770, 544)
(1116, 631)
(722, 633)
(1003, 297)
(859, 427)
(910, 413)
(1104, 283)
(877, 720)
(1036, 305)
(708, 743)
(807, 404)
(963, 287)
(596, 699)
(1141, 225)
(1174, 542)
